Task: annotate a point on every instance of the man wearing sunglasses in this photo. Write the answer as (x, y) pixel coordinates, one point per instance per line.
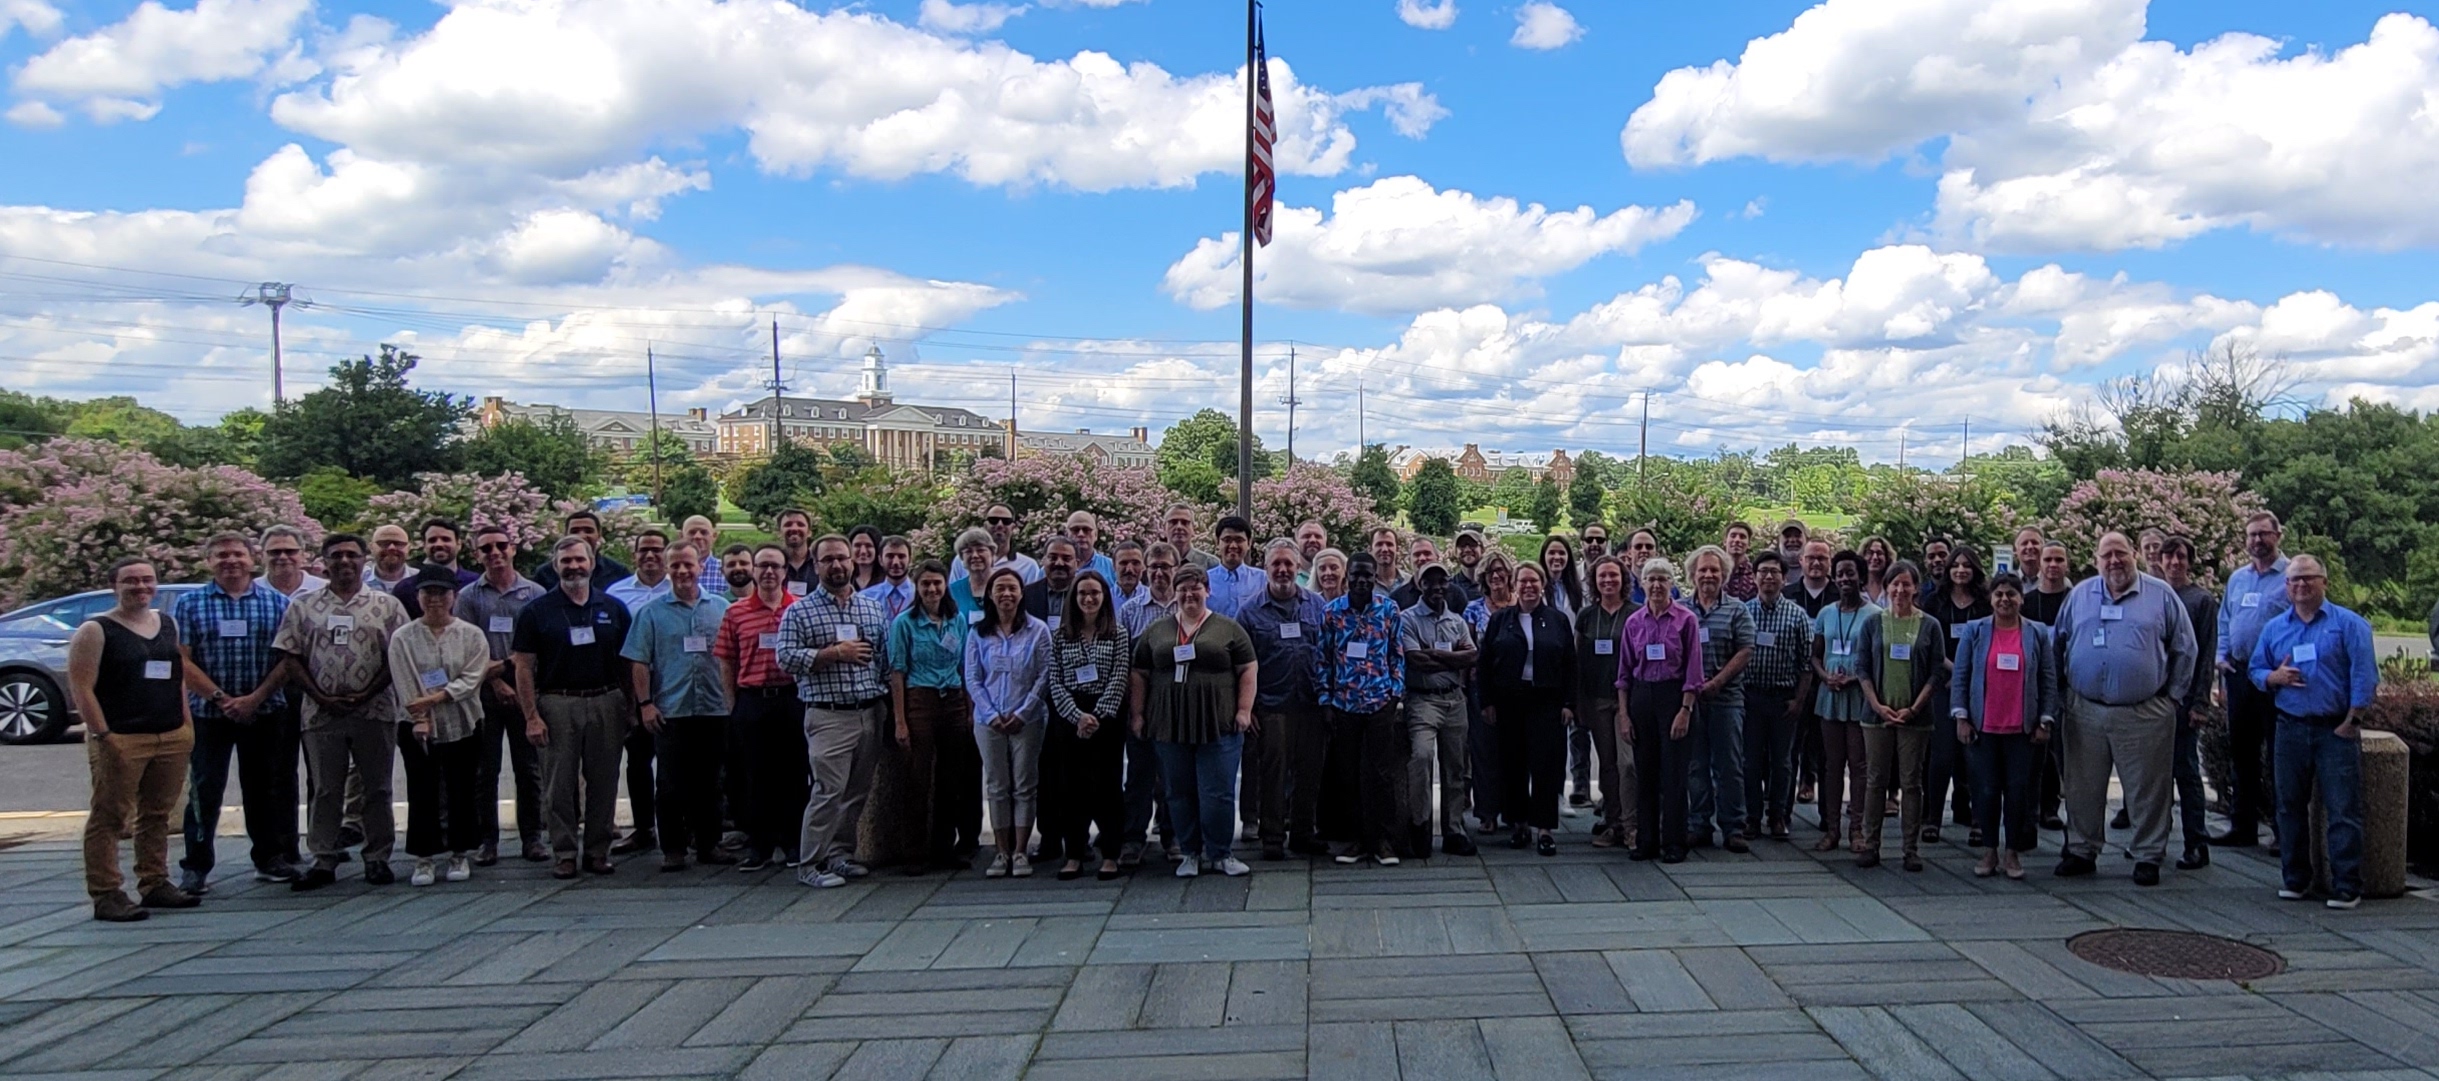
(1001, 521)
(491, 604)
(284, 570)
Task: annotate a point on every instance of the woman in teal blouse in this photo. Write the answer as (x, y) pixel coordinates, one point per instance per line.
(925, 803)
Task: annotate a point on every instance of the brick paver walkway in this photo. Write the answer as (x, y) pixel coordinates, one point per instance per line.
(1779, 964)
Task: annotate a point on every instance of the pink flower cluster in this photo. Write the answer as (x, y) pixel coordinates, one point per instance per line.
(1043, 491)
(2207, 507)
(70, 507)
(1911, 509)
(1307, 492)
(502, 501)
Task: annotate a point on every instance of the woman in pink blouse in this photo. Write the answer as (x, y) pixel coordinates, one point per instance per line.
(2004, 700)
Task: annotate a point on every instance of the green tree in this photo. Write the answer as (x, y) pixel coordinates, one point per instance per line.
(851, 457)
(368, 422)
(1209, 436)
(665, 448)
(1584, 496)
(891, 502)
(792, 477)
(121, 420)
(334, 498)
(1198, 481)
(551, 452)
(1512, 490)
(27, 419)
(689, 490)
(2031, 483)
(1374, 478)
(1434, 501)
(1682, 508)
(1546, 503)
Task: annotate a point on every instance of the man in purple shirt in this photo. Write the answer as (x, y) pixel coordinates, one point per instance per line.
(1659, 667)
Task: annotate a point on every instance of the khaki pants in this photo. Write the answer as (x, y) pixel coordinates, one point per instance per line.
(1435, 733)
(1896, 756)
(333, 747)
(2139, 741)
(580, 770)
(138, 782)
(839, 746)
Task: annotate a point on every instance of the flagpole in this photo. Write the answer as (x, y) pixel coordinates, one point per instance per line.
(1244, 415)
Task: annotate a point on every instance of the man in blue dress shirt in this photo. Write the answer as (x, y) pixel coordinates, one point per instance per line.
(2127, 649)
(2256, 593)
(2317, 663)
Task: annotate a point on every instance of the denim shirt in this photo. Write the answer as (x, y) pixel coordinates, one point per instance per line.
(1285, 663)
(2335, 654)
(1968, 692)
(1008, 675)
(673, 640)
(928, 652)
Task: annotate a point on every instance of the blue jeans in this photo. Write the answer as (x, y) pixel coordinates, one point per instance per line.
(1202, 793)
(2306, 753)
(1716, 781)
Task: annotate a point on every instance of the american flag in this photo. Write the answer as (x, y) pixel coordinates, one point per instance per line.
(1260, 178)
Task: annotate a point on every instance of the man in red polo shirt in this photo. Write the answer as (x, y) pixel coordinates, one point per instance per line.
(765, 723)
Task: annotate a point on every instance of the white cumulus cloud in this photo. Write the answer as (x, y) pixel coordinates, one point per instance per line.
(118, 73)
(954, 18)
(1401, 245)
(1427, 14)
(36, 16)
(1544, 25)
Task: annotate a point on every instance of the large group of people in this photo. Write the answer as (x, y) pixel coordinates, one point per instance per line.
(834, 703)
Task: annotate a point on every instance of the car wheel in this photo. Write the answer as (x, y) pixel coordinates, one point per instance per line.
(31, 709)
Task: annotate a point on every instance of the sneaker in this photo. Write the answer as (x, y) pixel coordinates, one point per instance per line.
(423, 875)
(1386, 859)
(114, 907)
(754, 861)
(195, 882)
(274, 872)
(2290, 895)
(849, 868)
(314, 878)
(822, 880)
(1018, 866)
(1189, 868)
(2344, 901)
(1346, 859)
(998, 867)
(1234, 867)
(459, 871)
(168, 896)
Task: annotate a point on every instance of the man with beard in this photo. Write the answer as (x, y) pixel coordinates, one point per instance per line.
(895, 590)
(335, 642)
(491, 604)
(587, 525)
(2256, 594)
(831, 640)
(440, 549)
(572, 688)
(388, 569)
(1469, 557)
(766, 766)
(796, 541)
(225, 638)
(1046, 599)
(1284, 622)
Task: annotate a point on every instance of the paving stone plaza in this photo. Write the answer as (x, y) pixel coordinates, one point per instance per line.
(1785, 963)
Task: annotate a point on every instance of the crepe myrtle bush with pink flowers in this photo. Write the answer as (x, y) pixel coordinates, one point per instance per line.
(1913, 508)
(1043, 491)
(2207, 507)
(70, 507)
(505, 501)
(1307, 492)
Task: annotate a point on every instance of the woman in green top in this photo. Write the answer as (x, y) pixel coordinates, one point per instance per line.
(1191, 687)
(1904, 661)
(920, 785)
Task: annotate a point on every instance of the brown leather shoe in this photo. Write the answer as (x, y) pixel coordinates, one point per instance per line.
(114, 907)
(600, 865)
(168, 896)
(564, 869)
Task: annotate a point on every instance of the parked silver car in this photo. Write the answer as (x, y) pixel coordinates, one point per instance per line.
(34, 706)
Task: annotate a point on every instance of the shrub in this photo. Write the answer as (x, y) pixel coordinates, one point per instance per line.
(1308, 491)
(2204, 506)
(69, 507)
(1912, 508)
(1042, 491)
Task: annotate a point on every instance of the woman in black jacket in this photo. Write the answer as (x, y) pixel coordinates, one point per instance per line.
(1528, 667)
(1959, 595)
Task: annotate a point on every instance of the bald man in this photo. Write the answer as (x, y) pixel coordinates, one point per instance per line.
(2127, 653)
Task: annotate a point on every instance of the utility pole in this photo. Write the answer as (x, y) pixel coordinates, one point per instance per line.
(1901, 433)
(779, 390)
(273, 295)
(1011, 412)
(1291, 402)
(1359, 418)
(652, 446)
(1642, 448)
(1964, 464)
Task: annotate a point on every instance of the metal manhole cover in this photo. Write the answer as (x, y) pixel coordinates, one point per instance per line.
(2181, 955)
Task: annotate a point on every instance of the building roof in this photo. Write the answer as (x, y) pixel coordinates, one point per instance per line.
(598, 421)
(858, 412)
(1075, 442)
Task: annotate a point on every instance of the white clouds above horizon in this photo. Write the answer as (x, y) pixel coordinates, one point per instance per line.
(1541, 25)
(1427, 14)
(1400, 245)
(119, 73)
(2068, 131)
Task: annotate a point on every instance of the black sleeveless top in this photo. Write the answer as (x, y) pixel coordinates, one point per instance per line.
(141, 679)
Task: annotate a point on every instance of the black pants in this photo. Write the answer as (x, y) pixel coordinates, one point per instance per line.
(641, 807)
(444, 785)
(1660, 766)
(687, 799)
(771, 725)
(2188, 773)
(1769, 757)
(1308, 731)
(1482, 742)
(1947, 780)
(1366, 763)
(2006, 776)
(267, 750)
(1090, 776)
(1532, 743)
(502, 719)
(2251, 720)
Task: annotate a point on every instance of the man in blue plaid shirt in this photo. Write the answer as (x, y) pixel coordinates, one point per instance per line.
(233, 684)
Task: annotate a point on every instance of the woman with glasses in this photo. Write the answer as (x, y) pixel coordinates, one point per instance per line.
(1528, 684)
(1497, 576)
(1191, 692)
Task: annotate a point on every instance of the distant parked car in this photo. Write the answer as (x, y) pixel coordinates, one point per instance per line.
(34, 706)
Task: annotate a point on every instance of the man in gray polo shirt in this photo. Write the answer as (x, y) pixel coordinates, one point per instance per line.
(2127, 648)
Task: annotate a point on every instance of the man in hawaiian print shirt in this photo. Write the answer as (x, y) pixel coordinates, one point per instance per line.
(1362, 680)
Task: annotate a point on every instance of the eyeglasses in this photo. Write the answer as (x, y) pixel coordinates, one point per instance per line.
(289, 552)
(1000, 521)
(496, 546)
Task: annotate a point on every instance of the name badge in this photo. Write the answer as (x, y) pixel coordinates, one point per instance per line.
(1054, 624)
(796, 589)
(234, 628)
(342, 623)
(1357, 651)
(1090, 673)
(1291, 629)
(2112, 611)
(1957, 631)
(1444, 647)
(1603, 647)
(768, 640)
(433, 679)
(1657, 651)
(580, 636)
(2100, 639)
(1182, 654)
(156, 669)
(1703, 635)
(1901, 651)
(503, 624)
(973, 618)
(2251, 600)
(1841, 649)
(2306, 653)
(948, 641)
(2010, 662)
(1765, 639)
(845, 632)
(698, 643)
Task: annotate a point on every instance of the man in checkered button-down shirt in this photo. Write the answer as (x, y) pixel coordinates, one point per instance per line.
(832, 641)
(1776, 690)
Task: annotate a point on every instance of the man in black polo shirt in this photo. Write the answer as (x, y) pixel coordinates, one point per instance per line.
(571, 685)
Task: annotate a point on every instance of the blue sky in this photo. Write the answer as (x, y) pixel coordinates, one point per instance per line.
(1845, 222)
